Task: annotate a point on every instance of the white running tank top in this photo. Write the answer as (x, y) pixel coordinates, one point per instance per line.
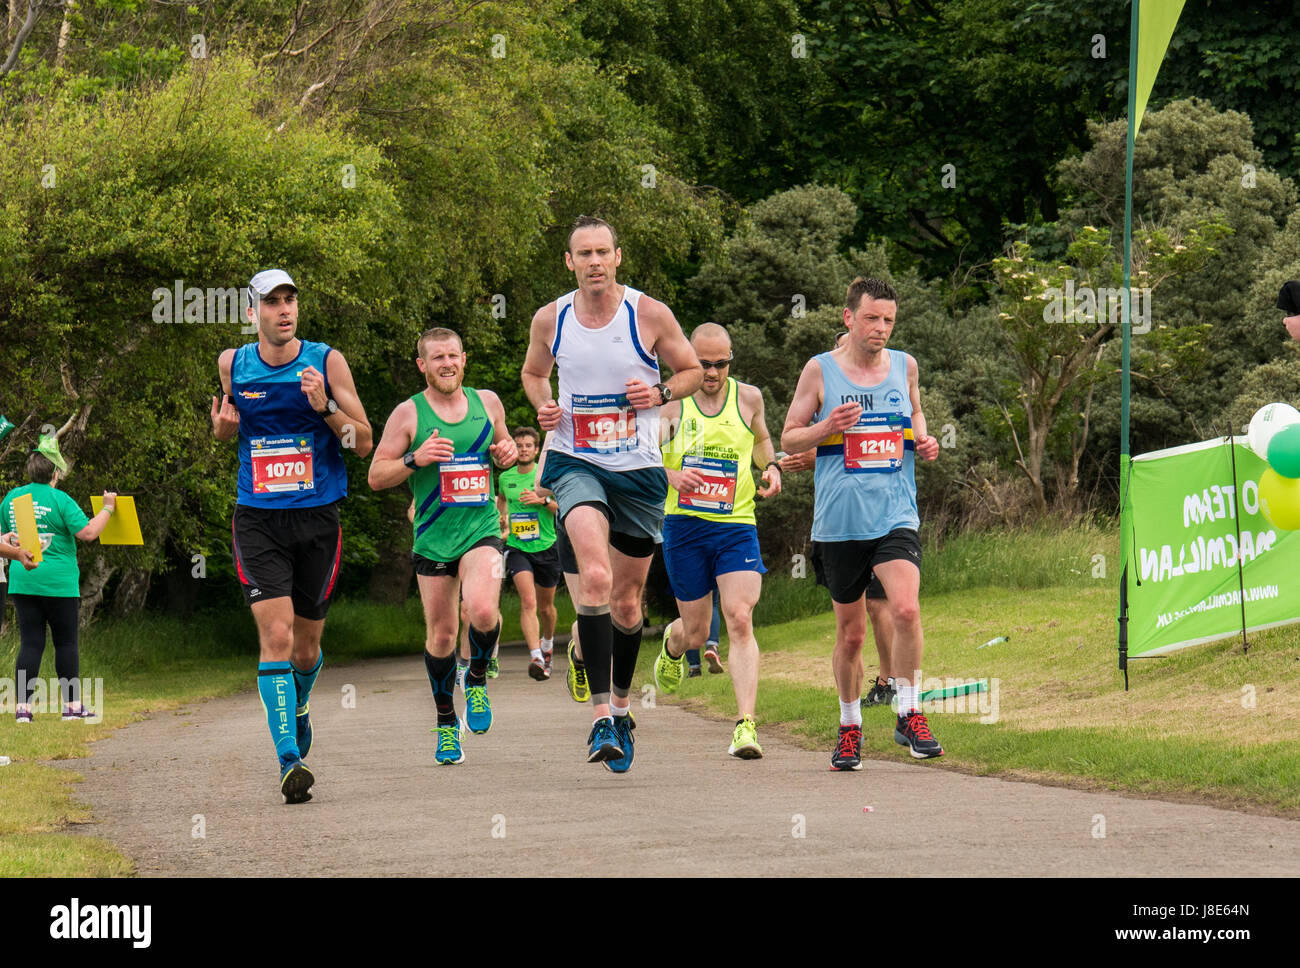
(596, 423)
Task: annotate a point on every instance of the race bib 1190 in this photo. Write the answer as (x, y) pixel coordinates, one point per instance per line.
(603, 424)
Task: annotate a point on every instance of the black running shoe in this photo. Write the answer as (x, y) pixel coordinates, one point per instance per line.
(848, 750)
(880, 694)
(913, 732)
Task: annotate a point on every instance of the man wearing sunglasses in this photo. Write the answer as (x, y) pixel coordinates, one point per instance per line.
(710, 538)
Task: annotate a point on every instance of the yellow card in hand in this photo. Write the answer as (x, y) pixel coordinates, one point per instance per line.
(25, 522)
(123, 527)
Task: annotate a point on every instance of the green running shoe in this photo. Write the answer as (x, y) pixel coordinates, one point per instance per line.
(448, 752)
(493, 670)
(744, 741)
(578, 687)
(669, 672)
(478, 709)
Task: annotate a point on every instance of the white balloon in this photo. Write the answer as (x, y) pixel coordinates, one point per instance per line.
(1267, 422)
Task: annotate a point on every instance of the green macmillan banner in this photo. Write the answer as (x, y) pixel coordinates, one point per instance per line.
(1195, 518)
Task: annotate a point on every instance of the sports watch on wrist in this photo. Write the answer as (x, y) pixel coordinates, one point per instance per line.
(409, 461)
(665, 394)
(331, 408)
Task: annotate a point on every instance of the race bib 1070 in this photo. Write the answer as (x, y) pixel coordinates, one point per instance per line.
(281, 464)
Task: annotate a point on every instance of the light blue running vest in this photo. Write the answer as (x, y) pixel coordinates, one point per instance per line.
(869, 503)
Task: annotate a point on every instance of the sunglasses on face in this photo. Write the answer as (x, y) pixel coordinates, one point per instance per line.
(717, 364)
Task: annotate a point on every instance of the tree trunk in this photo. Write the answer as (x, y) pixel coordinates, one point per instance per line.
(64, 29)
(93, 580)
(12, 27)
(131, 592)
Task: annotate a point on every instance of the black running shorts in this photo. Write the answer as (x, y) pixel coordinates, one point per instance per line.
(544, 565)
(450, 569)
(293, 553)
(845, 567)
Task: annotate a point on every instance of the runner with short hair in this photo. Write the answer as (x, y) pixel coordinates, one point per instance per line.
(710, 535)
(604, 466)
(882, 691)
(860, 406)
(528, 512)
(441, 441)
(294, 403)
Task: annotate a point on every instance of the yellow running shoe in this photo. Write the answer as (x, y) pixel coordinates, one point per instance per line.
(744, 741)
(669, 672)
(578, 688)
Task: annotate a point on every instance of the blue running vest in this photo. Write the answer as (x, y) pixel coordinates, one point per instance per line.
(288, 456)
(879, 493)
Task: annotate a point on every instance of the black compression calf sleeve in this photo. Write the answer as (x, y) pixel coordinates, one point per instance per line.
(442, 677)
(481, 645)
(626, 645)
(595, 632)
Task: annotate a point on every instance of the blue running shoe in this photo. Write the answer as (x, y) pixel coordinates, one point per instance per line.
(304, 731)
(448, 752)
(604, 742)
(623, 726)
(478, 709)
(295, 781)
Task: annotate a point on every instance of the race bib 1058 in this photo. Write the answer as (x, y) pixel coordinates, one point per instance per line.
(463, 481)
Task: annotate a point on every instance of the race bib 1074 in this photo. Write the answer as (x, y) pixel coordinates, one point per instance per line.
(603, 424)
(874, 444)
(464, 481)
(717, 494)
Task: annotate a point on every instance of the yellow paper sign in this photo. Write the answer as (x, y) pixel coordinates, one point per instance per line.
(123, 527)
(25, 520)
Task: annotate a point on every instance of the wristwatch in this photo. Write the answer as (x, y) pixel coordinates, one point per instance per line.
(331, 408)
(409, 461)
(665, 394)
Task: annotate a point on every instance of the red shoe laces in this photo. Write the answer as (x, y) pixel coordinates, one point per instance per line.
(919, 727)
(849, 742)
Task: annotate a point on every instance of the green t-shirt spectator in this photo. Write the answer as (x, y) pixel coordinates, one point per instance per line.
(58, 519)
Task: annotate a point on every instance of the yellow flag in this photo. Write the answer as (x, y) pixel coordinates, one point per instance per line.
(25, 521)
(123, 527)
(1156, 22)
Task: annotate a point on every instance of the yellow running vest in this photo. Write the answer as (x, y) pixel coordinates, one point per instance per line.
(722, 449)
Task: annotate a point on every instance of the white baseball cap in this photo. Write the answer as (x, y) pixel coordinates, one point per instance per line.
(269, 279)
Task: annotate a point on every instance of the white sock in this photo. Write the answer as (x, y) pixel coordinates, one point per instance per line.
(548, 645)
(616, 710)
(536, 654)
(892, 684)
(851, 713)
(460, 674)
(907, 696)
(710, 645)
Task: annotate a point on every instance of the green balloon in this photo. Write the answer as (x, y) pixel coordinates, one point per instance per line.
(1284, 451)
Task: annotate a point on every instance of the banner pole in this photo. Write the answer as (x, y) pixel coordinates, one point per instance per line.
(1126, 325)
(1236, 524)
